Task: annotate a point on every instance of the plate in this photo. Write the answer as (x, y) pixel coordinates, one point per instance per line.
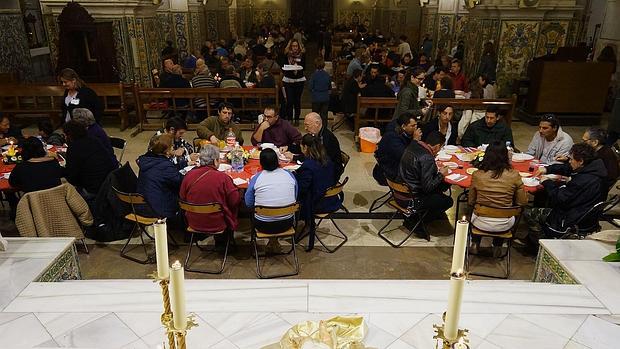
(530, 181)
(291, 167)
(520, 157)
(450, 147)
(444, 157)
(451, 164)
(268, 145)
(471, 170)
(483, 147)
(525, 174)
(466, 157)
(49, 146)
(224, 167)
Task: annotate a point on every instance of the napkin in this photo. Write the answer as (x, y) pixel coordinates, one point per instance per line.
(456, 177)
(239, 181)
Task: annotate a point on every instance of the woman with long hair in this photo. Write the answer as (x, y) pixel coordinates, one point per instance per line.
(314, 177)
(408, 95)
(293, 79)
(78, 95)
(495, 184)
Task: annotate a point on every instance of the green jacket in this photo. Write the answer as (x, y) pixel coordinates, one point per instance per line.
(213, 126)
(478, 133)
(407, 100)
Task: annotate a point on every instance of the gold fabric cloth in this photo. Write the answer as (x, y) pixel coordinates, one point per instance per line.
(340, 332)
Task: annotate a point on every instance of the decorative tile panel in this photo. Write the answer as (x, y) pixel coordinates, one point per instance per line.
(517, 45)
(445, 32)
(181, 29)
(65, 267)
(123, 60)
(548, 269)
(354, 16)
(268, 16)
(212, 32)
(14, 51)
(552, 35)
(51, 29)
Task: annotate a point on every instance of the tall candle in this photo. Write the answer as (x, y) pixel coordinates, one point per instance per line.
(460, 243)
(455, 297)
(161, 249)
(177, 295)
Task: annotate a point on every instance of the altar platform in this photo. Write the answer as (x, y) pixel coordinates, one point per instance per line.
(581, 312)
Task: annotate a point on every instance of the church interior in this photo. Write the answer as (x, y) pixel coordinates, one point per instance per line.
(94, 269)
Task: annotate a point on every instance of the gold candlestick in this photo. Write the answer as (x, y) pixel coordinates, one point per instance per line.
(166, 316)
(460, 342)
(180, 335)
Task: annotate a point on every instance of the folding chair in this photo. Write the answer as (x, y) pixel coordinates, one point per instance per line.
(508, 235)
(345, 159)
(119, 143)
(402, 191)
(290, 233)
(585, 225)
(331, 192)
(206, 210)
(138, 204)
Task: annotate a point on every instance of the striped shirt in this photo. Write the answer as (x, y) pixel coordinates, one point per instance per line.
(202, 80)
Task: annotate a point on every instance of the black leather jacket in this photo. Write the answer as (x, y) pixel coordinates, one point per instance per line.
(419, 171)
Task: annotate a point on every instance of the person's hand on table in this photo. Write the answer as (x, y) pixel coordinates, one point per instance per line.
(444, 170)
(541, 171)
(194, 156)
(179, 152)
(283, 149)
(562, 158)
(214, 140)
(289, 156)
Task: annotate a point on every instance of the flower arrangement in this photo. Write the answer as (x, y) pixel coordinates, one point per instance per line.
(245, 155)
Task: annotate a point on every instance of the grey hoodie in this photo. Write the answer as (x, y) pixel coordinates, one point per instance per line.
(559, 146)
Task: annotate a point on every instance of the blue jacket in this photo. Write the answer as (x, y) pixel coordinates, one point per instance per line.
(313, 180)
(390, 149)
(320, 85)
(159, 181)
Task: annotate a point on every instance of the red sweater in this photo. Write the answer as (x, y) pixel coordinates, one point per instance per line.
(459, 82)
(214, 186)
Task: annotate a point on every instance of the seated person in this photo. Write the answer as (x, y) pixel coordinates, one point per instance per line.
(182, 151)
(314, 177)
(87, 161)
(443, 125)
(419, 172)
(487, 130)
(432, 80)
(275, 130)
(176, 80)
(264, 77)
(86, 118)
(375, 84)
(550, 142)
(445, 88)
(9, 133)
(37, 171)
(272, 187)
(596, 137)
(313, 124)
(495, 184)
(392, 145)
(48, 135)
(569, 201)
(488, 88)
(205, 184)
(471, 115)
(231, 79)
(215, 128)
(159, 179)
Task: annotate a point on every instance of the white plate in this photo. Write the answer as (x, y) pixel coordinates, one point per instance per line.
(6, 175)
(224, 167)
(519, 157)
(530, 182)
(267, 145)
(450, 147)
(444, 157)
(525, 174)
(451, 164)
(291, 167)
(483, 147)
(49, 146)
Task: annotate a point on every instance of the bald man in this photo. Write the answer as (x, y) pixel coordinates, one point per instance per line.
(314, 125)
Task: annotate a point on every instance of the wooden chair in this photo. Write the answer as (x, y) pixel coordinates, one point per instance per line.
(508, 235)
(137, 203)
(206, 210)
(402, 191)
(290, 233)
(120, 144)
(336, 190)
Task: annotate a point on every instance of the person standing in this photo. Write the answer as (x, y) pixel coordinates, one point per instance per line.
(293, 79)
(320, 86)
(78, 95)
(408, 99)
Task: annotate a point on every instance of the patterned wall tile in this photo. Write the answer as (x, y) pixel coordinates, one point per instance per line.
(445, 32)
(14, 51)
(194, 33)
(268, 16)
(429, 26)
(123, 53)
(181, 33)
(51, 30)
(517, 45)
(354, 16)
(552, 35)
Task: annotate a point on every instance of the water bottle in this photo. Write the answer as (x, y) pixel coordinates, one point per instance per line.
(42, 141)
(510, 149)
(236, 159)
(230, 138)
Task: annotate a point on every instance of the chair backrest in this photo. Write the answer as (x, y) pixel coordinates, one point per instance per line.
(336, 189)
(277, 211)
(130, 198)
(497, 212)
(398, 187)
(212, 207)
(117, 142)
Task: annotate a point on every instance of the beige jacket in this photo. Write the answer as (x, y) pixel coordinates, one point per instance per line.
(505, 191)
(55, 212)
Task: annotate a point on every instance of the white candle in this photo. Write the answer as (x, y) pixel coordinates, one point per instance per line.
(161, 249)
(177, 295)
(455, 297)
(460, 243)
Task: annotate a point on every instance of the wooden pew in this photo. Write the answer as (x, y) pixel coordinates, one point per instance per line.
(388, 104)
(166, 100)
(32, 101)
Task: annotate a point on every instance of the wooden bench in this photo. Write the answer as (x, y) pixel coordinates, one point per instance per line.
(36, 100)
(165, 100)
(383, 108)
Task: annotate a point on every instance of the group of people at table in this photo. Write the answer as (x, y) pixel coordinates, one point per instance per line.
(417, 158)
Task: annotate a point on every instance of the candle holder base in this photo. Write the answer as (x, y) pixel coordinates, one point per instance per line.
(460, 342)
(181, 334)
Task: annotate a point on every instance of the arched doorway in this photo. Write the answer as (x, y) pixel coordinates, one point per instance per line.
(85, 45)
